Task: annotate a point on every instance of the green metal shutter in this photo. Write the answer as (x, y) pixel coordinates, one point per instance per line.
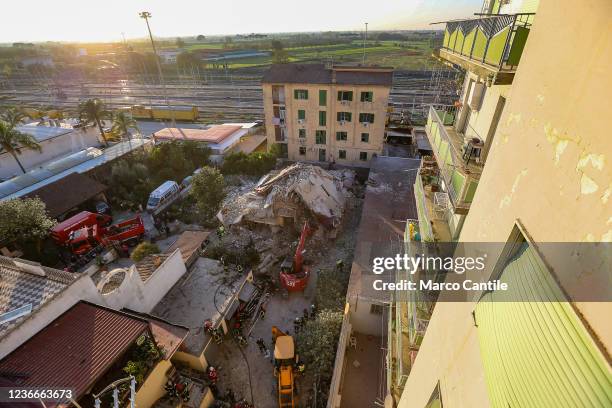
(538, 353)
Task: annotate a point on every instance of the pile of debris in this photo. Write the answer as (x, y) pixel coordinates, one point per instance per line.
(296, 193)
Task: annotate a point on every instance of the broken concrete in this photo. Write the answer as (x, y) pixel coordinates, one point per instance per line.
(294, 194)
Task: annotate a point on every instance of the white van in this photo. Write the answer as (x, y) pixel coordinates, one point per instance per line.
(162, 194)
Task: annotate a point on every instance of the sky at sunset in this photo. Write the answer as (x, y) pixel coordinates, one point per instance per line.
(106, 20)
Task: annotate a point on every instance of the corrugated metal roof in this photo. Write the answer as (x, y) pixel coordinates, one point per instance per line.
(76, 349)
(42, 132)
(24, 283)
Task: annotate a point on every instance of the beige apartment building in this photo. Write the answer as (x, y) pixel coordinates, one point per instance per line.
(523, 163)
(327, 114)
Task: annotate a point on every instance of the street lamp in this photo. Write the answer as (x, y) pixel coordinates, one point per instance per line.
(146, 16)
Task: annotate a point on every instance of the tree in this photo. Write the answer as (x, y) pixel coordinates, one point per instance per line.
(93, 111)
(180, 42)
(187, 59)
(24, 221)
(279, 55)
(201, 37)
(13, 141)
(122, 124)
(316, 343)
(143, 250)
(12, 116)
(208, 190)
(255, 163)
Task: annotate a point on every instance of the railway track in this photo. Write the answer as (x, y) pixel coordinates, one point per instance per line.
(224, 97)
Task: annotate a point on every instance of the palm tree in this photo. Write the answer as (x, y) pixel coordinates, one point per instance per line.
(93, 111)
(13, 141)
(12, 116)
(122, 124)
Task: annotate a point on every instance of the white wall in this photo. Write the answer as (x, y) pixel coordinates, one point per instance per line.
(52, 148)
(141, 296)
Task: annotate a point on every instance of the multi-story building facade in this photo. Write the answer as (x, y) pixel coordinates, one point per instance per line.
(328, 114)
(521, 164)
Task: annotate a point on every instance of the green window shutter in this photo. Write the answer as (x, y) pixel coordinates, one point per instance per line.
(301, 114)
(348, 116)
(367, 96)
(535, 350)
(320, 137)
(339, 95)
(341, 136)
(322, 118)
(322, 97)
(295, 94)
(350, 95)
(306, 94)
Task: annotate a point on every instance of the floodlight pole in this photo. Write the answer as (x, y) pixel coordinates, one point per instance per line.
(365, 38)
(146, 16)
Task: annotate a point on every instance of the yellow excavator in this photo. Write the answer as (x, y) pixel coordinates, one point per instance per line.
(285, 362)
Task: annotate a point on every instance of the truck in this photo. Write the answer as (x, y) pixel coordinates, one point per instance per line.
(83, 241)
(285, 362)
(61, 232)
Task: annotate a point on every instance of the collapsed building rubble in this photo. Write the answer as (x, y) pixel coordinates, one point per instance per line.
(268, 215)
(294, 194)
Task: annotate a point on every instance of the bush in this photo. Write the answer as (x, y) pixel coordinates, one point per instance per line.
(143, 250)
(24, 221)
(254, 164)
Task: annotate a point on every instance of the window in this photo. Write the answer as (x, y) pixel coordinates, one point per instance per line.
(320, 137)
(367, 96)
(322, 97)
(302, 151)
(365, 137)
(344, 116)
(366, 118)
(363, 156)
(321, 154)
(342, 154)
(376, 309)
(345, 96)
(300, 94)
(322, 118)
(341, 136)
(302, 133)
(301, 114)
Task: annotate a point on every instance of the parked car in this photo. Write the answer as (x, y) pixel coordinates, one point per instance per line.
(162, 194)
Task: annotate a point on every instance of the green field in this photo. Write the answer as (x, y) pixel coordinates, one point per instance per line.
(413, 54)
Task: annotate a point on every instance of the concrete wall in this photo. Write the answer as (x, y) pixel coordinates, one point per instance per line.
(353, 145)
(52, 148)
(82, 289)
(153, 387)
(362, 319)
(549, 166)
(141, 296)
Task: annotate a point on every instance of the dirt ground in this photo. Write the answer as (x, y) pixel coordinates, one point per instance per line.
(233, 370)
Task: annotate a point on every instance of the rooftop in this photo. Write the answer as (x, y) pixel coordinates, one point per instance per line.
(195, 298)
(29, 286)
(77, 348)
(42, 132)
(189, 242)
(68, 192)
(389, 202)
(320, 74)
(214, 134)
(57, 169)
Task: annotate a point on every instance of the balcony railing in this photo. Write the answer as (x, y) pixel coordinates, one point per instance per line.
(496, 41)
(460, 178)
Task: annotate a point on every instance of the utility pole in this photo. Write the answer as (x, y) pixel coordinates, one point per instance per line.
(365, 38)
(147, 15)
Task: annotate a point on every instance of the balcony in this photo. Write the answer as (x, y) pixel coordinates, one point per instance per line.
(459, 175)
(491, 45)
